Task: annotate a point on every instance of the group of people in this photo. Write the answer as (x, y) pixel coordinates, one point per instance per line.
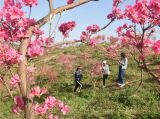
(123, 62)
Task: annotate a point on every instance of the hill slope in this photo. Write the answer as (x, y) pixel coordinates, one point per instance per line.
(110, 102)
(95, 102)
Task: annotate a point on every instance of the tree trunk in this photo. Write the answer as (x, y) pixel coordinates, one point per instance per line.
(24, 86)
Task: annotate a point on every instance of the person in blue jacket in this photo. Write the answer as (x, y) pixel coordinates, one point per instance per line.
(78, 76)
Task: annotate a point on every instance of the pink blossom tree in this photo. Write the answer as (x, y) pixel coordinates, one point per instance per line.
(22, 39)
(143, 17)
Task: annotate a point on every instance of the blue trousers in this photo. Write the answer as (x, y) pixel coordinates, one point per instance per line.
(121, 75)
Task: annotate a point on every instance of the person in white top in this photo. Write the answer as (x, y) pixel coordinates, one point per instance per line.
(123, 62)
(105, 71)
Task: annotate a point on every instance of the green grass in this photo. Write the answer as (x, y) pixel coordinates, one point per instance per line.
(95, 102)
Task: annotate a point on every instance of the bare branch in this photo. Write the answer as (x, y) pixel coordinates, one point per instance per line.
(8, 89)
(53, 32)
(105, 26)
(45, 19)
(50, 5)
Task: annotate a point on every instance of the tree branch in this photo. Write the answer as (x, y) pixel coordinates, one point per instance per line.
(50, 5)
(8, 89)
(105, 26)
(45, 19)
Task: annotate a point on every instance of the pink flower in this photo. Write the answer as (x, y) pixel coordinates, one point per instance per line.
(84, 36)
(40, 109)
(92, 42)
(141, 57)
(66, 27)
(125, 25)
(129, 33)
(30, 2)
(50, 102)
(37, 32)
(119, 29)
(16, 13)
(156, 47)
(31, 69)
(70, 1)
(115, 2)
(37, 91)
(117, 13)
(147, 43)
(124, 40)
(35, 48)
(93, 28)
(60, 104)
(9, 55)
(15, 109)
(52, 117)
(15, 80)
(19, 102)
(9, 2)
(65, 109)
(55, 117)
(110, 16)
(49, 41)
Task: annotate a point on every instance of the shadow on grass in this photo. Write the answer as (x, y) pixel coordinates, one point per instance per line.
(150, 80)
(68, 88)
(86, 86)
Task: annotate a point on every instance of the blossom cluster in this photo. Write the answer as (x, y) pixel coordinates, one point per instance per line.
(15, 81)
(156, 47)
(37, 91)
(66, 27)
(93, 28)
(36, 47)
(14, 28)
(9, 56)
(86, 35)
(14, 24)
(116, 12)
(70, 1)
(30, 2)
(19, 104)
(50, 103)
(43, 108)
(127, 36)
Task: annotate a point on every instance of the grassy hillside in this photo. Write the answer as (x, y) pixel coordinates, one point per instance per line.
(95, 102)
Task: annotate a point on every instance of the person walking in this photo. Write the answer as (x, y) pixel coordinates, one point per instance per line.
(78, 77)
(123, 62)
(105, 71)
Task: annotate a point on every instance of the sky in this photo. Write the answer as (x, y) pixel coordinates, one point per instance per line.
(84, 15)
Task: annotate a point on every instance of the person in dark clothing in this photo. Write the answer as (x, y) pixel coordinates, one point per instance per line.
(78, 77)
